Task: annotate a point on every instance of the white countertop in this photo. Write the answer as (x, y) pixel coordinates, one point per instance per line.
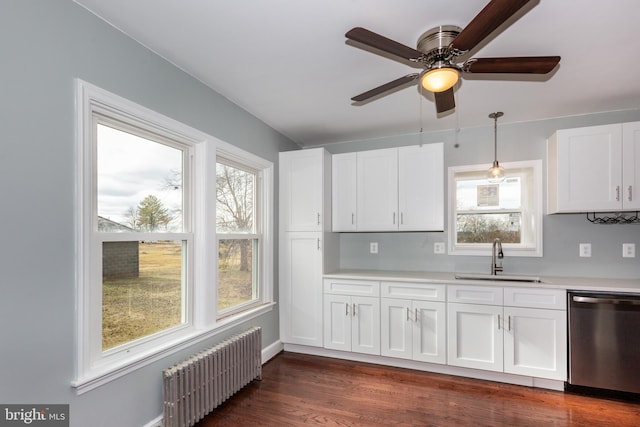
(552, 282)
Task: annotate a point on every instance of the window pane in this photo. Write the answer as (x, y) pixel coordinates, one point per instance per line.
(142, 289)
(139, 183)
(479, 194)
(235, 199)
(484, 228)
(237, 282)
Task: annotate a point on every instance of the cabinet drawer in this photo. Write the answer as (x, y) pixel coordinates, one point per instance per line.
(414, 291)
(351, 287)
(535, 298)
(487, 295)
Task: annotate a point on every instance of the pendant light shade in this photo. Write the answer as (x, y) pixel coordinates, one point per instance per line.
(496, 173)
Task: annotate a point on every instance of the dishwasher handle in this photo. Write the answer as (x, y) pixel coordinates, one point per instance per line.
(605, 300)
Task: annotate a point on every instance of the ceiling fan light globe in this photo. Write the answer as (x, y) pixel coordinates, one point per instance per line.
(440, 79)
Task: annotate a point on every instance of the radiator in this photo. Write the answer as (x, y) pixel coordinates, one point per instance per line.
(196, 386)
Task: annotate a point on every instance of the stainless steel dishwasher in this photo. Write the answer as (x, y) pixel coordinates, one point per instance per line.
(604, 341)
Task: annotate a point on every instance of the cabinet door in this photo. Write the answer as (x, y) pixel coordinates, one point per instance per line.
(365, 327)
(396, 328)
(429, 332)
(421, 187)
(589, 169)
(337, 322)
(377, 190)
(343, 195)
(535, 342)
(301, 190)
(301, 288)
(631, 165)
(474, 336)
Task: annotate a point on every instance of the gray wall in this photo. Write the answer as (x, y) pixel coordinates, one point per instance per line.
(45, 44)
(562, 233)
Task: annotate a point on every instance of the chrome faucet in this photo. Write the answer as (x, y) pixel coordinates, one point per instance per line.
(497, 244)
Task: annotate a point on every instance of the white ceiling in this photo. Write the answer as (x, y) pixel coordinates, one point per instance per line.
(287, 61)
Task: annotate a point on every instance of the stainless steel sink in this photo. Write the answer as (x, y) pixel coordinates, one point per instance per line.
(497, 277)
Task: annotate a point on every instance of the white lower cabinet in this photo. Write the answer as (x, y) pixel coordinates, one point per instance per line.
(525, 336)
(413, 321)
(535, 342)
(352, 316)
(474, 336)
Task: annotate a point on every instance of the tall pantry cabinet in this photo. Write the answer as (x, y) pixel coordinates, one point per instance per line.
(307, 247)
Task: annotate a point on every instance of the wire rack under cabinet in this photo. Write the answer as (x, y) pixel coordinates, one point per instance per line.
(615, 218)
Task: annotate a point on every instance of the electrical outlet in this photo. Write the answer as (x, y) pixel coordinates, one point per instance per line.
(628, 250)
(585, 250)
(438, 248)
(373, 247)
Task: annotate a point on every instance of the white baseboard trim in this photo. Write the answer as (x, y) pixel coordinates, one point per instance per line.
(270, 351)
(156, 422)
(430, 367)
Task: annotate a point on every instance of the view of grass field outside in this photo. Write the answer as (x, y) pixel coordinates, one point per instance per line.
(235, 283)
(134, 306)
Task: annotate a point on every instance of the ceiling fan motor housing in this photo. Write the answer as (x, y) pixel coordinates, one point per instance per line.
(435, 44)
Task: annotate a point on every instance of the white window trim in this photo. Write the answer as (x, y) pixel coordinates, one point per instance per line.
(201, 301)
(485, 249)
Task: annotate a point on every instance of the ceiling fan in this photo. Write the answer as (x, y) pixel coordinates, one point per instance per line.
(438, 49)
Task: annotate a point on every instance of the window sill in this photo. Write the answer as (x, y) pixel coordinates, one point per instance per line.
(98, 377)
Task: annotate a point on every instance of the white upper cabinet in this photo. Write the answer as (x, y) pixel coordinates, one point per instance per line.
(303, 183)
(394, 189)
(377, 190)
(631, 165)
(343, 190)
(421, 187)
(593, 169)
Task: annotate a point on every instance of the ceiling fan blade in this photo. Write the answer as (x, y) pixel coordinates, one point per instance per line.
(385, 87)
(445, 101)
(377, 41)
(515, 64)
(491, 17)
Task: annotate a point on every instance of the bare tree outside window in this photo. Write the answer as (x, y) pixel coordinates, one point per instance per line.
(237, 238)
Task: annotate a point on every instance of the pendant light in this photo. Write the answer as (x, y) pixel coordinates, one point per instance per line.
(496, 173)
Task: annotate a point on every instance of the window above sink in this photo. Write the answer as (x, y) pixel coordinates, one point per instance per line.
(481, 211)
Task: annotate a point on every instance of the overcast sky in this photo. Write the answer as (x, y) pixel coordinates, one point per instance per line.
(129, 169)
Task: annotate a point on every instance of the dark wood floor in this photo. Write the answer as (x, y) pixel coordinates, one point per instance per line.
(309, 390)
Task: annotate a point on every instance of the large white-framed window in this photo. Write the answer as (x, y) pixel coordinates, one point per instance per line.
(481, 211)
(238, 232)
(148, 265)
